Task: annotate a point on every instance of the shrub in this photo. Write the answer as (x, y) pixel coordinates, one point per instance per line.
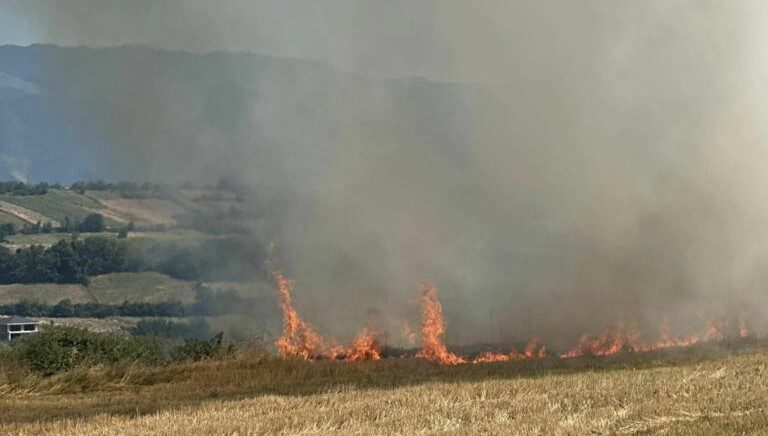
(194, 329)
(56, 349)
(92, 223)
(195, 349)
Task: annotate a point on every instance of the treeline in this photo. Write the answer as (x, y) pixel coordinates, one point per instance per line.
(21, 188)
(92, 223)
(197, 328)
(74, 260)
(207, 303)
(125, 189)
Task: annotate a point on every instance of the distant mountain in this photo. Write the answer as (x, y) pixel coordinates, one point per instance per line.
(134, 112)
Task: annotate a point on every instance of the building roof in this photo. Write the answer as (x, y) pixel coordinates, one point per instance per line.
(15, 319)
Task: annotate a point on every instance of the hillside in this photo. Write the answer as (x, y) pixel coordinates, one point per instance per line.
(153, 217)
(680, 393)
(62, 113)
(59, 204)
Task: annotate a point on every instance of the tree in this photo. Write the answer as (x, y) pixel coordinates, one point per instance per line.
(7, 229)
(92, 223)
(63, 309)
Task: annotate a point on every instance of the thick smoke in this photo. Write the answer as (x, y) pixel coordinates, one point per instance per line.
(586, 161)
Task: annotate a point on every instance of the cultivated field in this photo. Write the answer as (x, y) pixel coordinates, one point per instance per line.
(57, 204)
(108, 288)
(694, 391)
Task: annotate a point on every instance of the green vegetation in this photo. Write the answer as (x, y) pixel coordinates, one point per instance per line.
(207, 302)
(44, 292)
(76, 260)
(109, 288)
(48, 239)
(197, 349)
(58, 204)
(123, 189)
(197, 328)
(21, 188)
(57, 349)
(92, 223)
(148, 286)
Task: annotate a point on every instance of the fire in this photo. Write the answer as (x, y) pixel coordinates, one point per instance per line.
(715, 331)
(432, 329)
(618, 340)
(743, 329)
(299, 339)
(534, 350)
(364, 347)
(409, 334)
(608, 342)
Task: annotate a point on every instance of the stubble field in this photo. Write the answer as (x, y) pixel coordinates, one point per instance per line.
(706, 390)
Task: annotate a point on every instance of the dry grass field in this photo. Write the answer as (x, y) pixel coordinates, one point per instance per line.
(695, 391)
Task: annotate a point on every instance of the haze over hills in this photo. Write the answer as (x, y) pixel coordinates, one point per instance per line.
(131, 112)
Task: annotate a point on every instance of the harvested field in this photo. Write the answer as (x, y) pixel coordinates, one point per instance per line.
(57, 205)
(109, 288)
(47, 292)
(143, 212)
(145, 286)
(696, 391)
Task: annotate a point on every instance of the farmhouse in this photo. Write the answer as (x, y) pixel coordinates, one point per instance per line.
(14, 327)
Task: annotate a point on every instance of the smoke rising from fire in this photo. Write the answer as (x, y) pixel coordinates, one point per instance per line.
(562, 165)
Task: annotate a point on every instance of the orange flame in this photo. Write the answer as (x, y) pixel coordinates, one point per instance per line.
(364, 347)
(715, 331)
(432, 329)
(299, 339)
(534, 350)
(744, 332)
(410, 335)
(618, 340)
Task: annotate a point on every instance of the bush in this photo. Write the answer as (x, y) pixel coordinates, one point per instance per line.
(195, 349)
(194, 329)
(56, 349)
(93, 223)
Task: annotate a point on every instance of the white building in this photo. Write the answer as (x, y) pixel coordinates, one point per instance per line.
(14, 327)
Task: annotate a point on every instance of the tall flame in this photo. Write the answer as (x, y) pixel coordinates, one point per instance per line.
(433, 328)
(299, 339)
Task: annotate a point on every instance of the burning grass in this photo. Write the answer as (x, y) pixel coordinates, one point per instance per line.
(300, 339)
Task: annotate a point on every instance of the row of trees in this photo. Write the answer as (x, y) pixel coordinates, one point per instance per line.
(125, 189)
(207, 303)
(74, 260)
(92, 223)
(21, 188)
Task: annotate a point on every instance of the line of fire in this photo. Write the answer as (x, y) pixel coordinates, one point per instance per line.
(301, 340)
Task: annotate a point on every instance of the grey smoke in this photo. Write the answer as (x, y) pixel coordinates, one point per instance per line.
(566, 163)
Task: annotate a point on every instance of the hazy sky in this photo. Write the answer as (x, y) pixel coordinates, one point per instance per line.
(446, 40)
(626, 138)
(392, 38)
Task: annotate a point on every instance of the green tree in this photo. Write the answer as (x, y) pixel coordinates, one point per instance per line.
(92, 223)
